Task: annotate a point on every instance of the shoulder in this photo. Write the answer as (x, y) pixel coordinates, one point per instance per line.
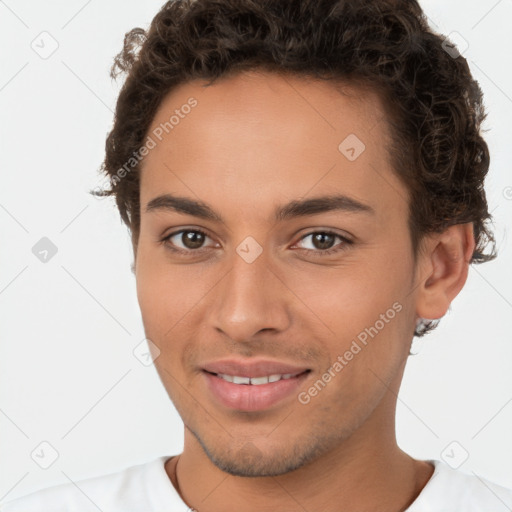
(450, 490)
(137, 488)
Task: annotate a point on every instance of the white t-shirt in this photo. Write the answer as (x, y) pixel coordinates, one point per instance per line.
(147, 488)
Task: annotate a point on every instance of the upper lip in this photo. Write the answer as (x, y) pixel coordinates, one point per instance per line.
(256, 368)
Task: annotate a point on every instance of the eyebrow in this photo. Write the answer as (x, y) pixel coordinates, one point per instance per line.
(293, 209)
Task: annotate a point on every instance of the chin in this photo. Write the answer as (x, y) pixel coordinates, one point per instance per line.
(249, 461)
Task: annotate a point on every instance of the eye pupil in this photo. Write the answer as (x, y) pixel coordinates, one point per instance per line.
(325, 240)
(192, 239)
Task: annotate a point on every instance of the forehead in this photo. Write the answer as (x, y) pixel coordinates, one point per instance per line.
(263, 136)
(290, 105)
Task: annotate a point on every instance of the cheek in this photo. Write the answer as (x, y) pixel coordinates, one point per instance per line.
(351, 297)
(365, 314)
(158, 293)
(169, 296)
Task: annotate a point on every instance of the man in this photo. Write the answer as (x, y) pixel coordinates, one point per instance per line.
(303, 182)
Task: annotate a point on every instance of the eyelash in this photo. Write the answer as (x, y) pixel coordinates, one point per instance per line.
(337, 248)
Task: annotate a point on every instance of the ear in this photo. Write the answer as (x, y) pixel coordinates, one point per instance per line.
(443, 264)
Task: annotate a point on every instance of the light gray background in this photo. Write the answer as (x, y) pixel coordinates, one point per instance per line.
(69, 326)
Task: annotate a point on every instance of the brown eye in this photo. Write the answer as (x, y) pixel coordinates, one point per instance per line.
(323, 243)
(323, 240)
(186, 240)
(192, 239)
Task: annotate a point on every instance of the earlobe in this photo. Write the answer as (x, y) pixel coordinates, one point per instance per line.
(443, 269)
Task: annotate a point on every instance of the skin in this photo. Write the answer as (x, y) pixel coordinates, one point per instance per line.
(255, 141)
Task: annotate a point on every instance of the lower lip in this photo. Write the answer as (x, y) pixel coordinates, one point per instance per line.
(249, 397)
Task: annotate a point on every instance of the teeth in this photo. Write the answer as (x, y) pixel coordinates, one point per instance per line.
(259, 380)
(255, 381)
(241, 380)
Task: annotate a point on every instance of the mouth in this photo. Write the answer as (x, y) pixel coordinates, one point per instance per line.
(252, 392)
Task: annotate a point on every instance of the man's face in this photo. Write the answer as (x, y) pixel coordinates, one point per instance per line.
(257, 296)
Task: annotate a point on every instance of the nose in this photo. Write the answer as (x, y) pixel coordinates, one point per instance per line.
(251, 297)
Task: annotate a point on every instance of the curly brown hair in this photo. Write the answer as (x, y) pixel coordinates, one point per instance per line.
(434, 103)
